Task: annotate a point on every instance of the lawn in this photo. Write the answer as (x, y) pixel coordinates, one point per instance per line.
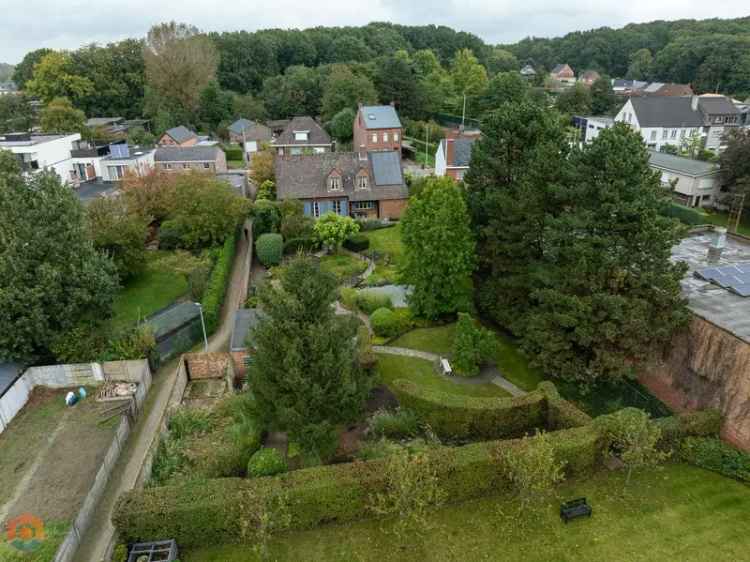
(156, 287)
(677, 512)
(423, 373)
(343, 266)
(438, 339)
(386, 242)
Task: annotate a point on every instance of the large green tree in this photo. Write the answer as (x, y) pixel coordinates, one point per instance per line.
(575, 100)
(735, 163)
(51, 275)
(15, 114)
(345, 88)
(305, 373)
(296, 92)
(505, 87)
(24, 70)
(59, 116)
(602, 96)
(438, 249)
(55, 77)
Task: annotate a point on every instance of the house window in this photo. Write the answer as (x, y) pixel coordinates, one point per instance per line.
(207, 166)
(168, 166)
(664, 133)
(653, 135)
(337, 207)
(185, 166)
(301, 135)
(374, 137)
(362, 182)
(296, 151)
(385, 137)
(364, 205)
(674, 134)
(334, 183)
(316, 209)
(395, 137)
(682, 133)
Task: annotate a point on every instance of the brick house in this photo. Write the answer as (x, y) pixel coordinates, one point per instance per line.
(358, 184)
(377, 128)
(201, 158)
(303, 135)
(589, 77)
(178, 136)
(563, 73)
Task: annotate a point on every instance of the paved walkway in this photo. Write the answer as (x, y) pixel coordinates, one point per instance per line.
(99, 536)
(488, 374)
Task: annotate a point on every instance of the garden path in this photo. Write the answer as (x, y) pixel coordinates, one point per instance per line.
(488, 373)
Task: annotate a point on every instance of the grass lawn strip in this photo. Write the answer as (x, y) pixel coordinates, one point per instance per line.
(421, 372)
(386, 242)
(343, 266)
(677, 512)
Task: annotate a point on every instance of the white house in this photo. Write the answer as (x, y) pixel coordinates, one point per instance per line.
(43, 151)
(696, 183)
(453, 156)
(591, 126)
(123, 159)
(670, 120)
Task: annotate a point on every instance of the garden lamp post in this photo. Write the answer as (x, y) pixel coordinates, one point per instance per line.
(203, 324)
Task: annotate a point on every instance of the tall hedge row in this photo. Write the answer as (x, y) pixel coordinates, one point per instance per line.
(213, 297)
(221, 510)
(461, 417)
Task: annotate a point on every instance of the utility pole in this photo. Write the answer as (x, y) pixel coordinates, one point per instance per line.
(203, 324)
(463, 114)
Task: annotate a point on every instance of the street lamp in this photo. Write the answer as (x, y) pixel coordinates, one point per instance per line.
(203, 323)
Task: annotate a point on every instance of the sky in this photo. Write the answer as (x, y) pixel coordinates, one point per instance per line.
(26, 25)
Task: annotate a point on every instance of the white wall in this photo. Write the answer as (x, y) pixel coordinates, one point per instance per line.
(52, 155)
(140, 165)
(440, 161)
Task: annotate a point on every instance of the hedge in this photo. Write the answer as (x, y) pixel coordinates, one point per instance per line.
(233, 152)
(461, 417)
(213, 297)
(270, 249)
(220, 511)
(561, 414)
(294, 245)
(713, 454)
(685, 215)
(357, 243)
(697, 424)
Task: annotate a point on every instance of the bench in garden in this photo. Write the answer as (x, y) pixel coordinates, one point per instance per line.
(445, 367)
(574, 508)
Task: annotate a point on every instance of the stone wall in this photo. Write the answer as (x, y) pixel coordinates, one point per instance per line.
(707, 367)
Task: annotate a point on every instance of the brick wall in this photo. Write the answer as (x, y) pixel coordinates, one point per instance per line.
(207, 365)
(392, 208)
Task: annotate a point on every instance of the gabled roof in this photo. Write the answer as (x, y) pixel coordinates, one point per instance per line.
(590, 75)
(186, 153)
(245, 321)
(528, 69)
(102, 121)
(712, 105)
(461, 153)
(180, 134)
(380, 117)
(629, 84)
(560, 67)
(240, 125)
(666, 111)
(680, 164)
(258, 132)
(305, 176)
(316, 134)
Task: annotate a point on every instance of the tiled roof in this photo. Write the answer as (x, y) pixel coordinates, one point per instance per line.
(181, 134)
(462, 151)
(666, 111)
(245, 320)
(680, 164)
(186, 153)
(258, 133)
(240, 125)
(306, 176)
(316, 134)
(712, 105)
(380, 117)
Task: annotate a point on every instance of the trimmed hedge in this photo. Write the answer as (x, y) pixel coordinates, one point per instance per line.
(713, 454)
(561, 414)
(357, 243)
(266, 462)
(369, 302)
(685, 215)
(270, 249)
(461, 417)
(698, 424)
(387, 323)
(213, 297)
(294, 245)
(220, 511)
(233, 152)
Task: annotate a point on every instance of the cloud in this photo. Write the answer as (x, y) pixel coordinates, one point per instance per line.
(31, 24)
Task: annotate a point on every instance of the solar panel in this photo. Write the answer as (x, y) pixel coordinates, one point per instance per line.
(735, 278)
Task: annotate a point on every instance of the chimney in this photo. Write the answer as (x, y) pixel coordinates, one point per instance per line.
(694, 102)
(717, 246)
(393, 103)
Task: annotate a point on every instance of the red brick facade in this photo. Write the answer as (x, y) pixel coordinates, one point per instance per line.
(374, 139)
(166, 140)
(392, 208)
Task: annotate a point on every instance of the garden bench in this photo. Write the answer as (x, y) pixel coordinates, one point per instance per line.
(445, 367)
(574, 508)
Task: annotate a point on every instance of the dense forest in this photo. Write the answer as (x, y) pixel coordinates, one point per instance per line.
(179, 75)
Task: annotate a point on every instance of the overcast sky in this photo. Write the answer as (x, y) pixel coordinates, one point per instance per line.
(67, 24)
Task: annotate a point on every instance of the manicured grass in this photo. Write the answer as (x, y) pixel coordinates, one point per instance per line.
(423, 373)
(343, 266)
(438, 339)
(387, 241)
(514, 365)
(677, 512)
(155, 288)
(236, 164)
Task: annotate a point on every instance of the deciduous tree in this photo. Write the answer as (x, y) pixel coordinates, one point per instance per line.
(343, 88)
(59, 116)
(55, 77)
(332, 229)
(24, 70)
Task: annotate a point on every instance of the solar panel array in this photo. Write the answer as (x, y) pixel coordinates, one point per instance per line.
(735, 277)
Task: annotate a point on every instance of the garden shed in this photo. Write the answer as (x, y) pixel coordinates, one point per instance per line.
(176, 328)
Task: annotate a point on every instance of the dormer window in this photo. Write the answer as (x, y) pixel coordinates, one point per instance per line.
(363, 182)
(301, 135)
(334, 182)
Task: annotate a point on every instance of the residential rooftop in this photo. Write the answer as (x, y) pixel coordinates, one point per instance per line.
(198, 153)
(716, 304)
(316, 136)
(30, 139)
(380, 117)
(681, 164)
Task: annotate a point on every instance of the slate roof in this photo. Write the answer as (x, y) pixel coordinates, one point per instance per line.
(258, 132)
(528, 70)
(380, 117)
(9, 372)
(713, 105)
(245, 320)
(629, 84)
(680, 164)
(316, 136)
(462, 151)
(240, 125)
(186, 153)
(559, 68)
(591, 75)
(666, 112)
(181, 134)
(306, 176)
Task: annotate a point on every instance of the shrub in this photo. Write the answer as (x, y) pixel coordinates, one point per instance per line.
(332, 229)
(297, 226)
(188, 421)
(399, 424)
(137, 342)
(368, 302)
(357, 243)
(348, 297)
(266, 462)
(267, 191)
(388, 323)
(169, 235)
(233, 152)
(213, 296)
(713, 454)
(472, 346)
(270, 248)
(266, 218)
(296, 245)
(706, 423)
